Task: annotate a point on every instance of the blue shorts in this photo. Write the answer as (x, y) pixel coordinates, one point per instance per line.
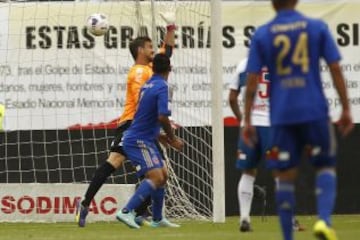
(249, 158)
(312, 140)
(144, 155)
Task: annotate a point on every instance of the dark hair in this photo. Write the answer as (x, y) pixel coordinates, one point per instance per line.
(161, 63)
(136, 43)
(282, 3)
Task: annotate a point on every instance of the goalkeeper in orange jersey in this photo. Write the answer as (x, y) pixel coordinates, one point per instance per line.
(141, 49)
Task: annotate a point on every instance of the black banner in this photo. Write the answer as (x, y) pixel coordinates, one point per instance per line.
(60, 156)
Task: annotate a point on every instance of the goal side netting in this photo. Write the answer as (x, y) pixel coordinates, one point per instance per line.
(63, 90)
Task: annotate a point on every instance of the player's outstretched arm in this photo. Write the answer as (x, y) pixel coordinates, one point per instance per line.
(345, 122)
(169, 39)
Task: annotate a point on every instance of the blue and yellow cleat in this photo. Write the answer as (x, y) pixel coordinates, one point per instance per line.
(323, 232)
(81, 213)
(164, 223)
(127, 218)
(142, 221)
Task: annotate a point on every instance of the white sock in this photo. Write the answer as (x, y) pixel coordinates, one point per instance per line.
(245, 196)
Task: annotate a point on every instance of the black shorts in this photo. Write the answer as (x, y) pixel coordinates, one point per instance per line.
(119, 133)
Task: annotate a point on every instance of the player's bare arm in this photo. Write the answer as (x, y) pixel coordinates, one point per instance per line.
(174, 141)
(169, 39)
(248, 132)
(234, 105)
(345, 122)
(169, 18)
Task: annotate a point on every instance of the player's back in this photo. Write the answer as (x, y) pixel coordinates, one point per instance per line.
(137, 76)
(292, 45)
(260, 109)
(153, 101)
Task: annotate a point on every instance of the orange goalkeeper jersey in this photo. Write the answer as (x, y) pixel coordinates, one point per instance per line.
(137, 76)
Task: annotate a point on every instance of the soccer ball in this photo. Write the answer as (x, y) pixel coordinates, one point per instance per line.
(97, 24)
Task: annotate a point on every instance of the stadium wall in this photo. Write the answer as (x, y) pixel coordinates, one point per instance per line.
(348, 162)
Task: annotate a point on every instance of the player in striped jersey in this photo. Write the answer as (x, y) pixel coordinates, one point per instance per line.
(141, 49)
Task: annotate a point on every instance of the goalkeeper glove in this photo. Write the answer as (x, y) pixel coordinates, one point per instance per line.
(169, 18)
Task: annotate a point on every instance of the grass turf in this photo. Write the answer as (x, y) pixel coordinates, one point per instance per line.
(347, 227)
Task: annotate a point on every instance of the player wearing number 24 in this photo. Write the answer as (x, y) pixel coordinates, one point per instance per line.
(291, 46)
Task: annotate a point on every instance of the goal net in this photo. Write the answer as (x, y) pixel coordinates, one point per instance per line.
(63, 90)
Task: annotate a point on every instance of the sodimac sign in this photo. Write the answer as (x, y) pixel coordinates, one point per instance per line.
(57, 202)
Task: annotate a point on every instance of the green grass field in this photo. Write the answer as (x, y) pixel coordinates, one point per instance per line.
(348, 228)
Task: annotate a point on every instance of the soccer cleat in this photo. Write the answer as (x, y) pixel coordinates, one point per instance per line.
(297, 227)
(81, 213)
(127, 218)
(323, 232)
(142, 221)
(245, 226)
(163, 223)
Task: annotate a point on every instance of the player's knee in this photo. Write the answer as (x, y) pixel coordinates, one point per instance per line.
(160, 180)
(165, 174)
(157, 177)
(326, 169)
(285, 175)
(251, 172)
(116, 159)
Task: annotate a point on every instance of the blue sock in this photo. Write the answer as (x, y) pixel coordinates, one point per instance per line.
(157, 203)
(326, 194)
(285, 200)
(142, 192)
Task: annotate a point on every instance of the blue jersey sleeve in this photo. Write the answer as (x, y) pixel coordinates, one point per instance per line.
(255, 61)
(163, 101)
(329, 49)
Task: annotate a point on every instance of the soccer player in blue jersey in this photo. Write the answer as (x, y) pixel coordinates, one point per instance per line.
(248, 159)
(291, 46)
(139, 144)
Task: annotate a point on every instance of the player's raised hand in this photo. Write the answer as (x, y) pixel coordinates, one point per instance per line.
(345, 123)
(176, 143)
(248, 133)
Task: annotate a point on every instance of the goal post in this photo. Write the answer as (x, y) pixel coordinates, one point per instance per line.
(64, 89)
(217, 114)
